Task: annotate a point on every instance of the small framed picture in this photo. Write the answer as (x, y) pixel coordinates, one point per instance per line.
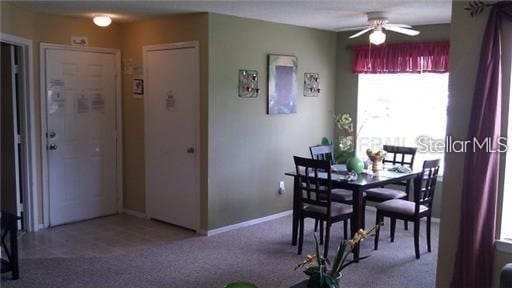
(138, 86)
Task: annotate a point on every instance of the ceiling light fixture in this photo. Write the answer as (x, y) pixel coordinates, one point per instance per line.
(377, 37)
(102, 20)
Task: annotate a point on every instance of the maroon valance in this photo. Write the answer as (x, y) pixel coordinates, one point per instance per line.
(429, 57)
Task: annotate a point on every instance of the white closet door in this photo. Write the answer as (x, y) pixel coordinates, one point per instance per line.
(171, 123)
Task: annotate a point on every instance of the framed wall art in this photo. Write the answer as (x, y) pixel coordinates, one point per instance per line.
(282, 84)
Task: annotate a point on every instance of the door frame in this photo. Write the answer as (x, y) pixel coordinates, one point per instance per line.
(170, 46)
(44, 124)
(28, 136)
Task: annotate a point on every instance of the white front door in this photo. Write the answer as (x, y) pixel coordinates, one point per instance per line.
(81, 134)
(171, 104)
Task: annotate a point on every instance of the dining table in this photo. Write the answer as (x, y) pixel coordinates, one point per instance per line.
(357, 184)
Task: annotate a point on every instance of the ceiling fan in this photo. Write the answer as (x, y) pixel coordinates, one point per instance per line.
(377, 22)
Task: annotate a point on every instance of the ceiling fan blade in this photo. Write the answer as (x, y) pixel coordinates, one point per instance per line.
(405, 31)
(353, 28)
(360, 33)
(399, 25)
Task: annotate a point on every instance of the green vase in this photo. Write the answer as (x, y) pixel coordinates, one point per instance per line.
(355, 164)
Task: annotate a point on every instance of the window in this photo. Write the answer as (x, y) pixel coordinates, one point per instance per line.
(396, 109)
(506, 212)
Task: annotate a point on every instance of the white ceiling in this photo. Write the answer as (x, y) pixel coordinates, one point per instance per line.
(328, 15)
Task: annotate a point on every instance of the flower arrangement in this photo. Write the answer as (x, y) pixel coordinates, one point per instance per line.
(376, 158)
(321, 273)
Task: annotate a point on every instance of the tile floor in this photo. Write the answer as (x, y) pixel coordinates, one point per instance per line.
(103, 236)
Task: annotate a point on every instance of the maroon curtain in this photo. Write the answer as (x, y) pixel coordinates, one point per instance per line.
(475, 253)
(402, 58)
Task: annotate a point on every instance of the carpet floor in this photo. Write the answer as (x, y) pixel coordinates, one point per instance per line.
(261, 254)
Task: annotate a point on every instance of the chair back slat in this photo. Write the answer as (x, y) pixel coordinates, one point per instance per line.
(400, 155)
(425, 184)
(314, 178)
(322, 152)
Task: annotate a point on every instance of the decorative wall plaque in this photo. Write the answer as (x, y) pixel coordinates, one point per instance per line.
(248, 83)
(311, 84)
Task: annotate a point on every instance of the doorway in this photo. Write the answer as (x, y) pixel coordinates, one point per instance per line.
(10, 146)
(81, 132)
(171, 109)
(18, 174)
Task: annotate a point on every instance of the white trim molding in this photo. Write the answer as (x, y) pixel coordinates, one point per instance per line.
(135, 213)
(504, 246)
(244, 224)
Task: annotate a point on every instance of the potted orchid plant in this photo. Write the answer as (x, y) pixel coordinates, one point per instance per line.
(319, 269)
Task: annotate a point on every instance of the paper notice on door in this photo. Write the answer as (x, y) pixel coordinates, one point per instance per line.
(170, 101)
(82, 105)
(56, 102)
(56, 83)
(97, 102)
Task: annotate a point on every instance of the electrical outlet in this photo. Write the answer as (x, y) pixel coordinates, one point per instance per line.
(281, 187)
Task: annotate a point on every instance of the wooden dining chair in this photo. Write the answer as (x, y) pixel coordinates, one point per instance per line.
(326, 152)
(396, 155)
(315, 198)
(424, 190)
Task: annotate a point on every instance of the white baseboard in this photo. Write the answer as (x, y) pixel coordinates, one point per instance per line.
(244, 224)
(433, 219)
(134, 213)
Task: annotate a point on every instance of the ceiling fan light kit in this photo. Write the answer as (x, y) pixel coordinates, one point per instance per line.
(377, 22)
(377, 37)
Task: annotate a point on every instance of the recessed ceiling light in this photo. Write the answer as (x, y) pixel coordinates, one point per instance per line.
(102, 20)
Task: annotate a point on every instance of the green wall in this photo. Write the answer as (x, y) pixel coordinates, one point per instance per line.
(249, 151)
(465, 42)
(346, 81)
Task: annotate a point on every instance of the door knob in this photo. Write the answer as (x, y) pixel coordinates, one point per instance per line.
(190, 150)
(52, 147)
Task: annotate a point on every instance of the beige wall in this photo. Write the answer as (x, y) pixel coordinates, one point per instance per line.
(466, 37)
(249, 150)
(347, 82)
(40, 27)
(169, 29)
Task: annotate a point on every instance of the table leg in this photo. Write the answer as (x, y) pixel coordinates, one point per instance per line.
(357, 218)
(295, 224)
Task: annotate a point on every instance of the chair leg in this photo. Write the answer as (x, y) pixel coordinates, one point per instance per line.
(345, 229)
(393, 226)
(301, 235)
(321, 232)
(406, 226)
(327, 236)
(316, 225)
(378, 219)
(417, 238)
(428, 233)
